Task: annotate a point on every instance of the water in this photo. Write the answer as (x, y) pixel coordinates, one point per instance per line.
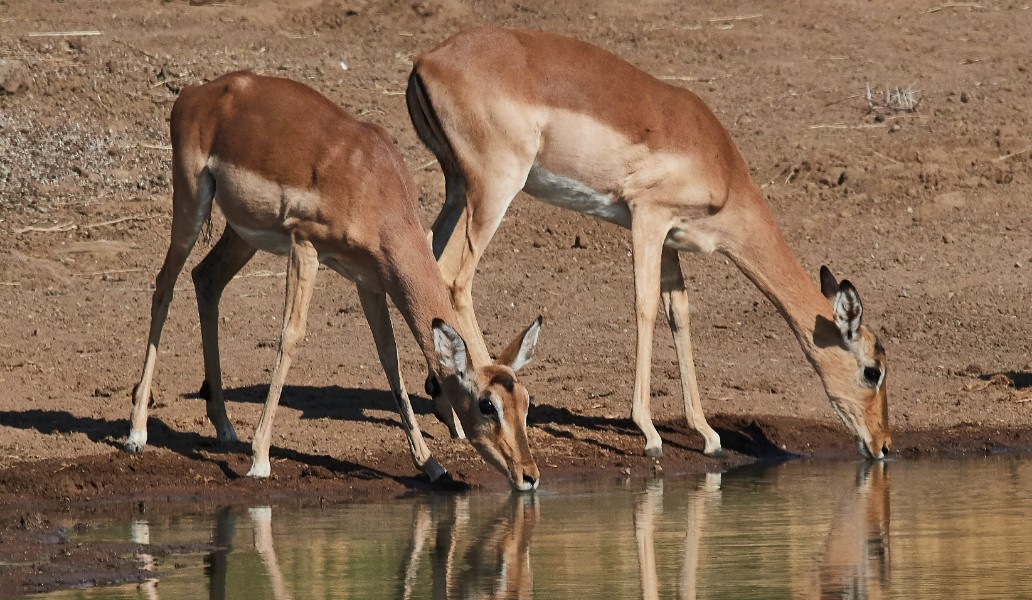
(903, 529)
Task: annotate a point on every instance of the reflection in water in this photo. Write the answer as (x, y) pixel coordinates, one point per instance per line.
(646, 509)
(859, 533)
(140, 534)
(496, 563)
(799, 530)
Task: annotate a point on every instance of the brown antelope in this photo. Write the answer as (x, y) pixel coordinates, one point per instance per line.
(294, 174)
(575, 126)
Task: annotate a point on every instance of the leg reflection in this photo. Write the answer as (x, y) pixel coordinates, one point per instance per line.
(217, 560)
(140, 534)
(261, 517)
(647, 508)
(490, 561)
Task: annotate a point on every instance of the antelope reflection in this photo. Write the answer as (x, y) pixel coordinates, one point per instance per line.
(648, 506)
(858, 537)
(216, 563)
(495, 562)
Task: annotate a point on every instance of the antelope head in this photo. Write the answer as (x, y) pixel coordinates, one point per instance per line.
(490, 402)
(856, 384)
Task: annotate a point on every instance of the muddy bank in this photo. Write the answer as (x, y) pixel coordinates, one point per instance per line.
(43, 501)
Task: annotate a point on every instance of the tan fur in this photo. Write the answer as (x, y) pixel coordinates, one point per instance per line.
(294, 174)
(598, 135)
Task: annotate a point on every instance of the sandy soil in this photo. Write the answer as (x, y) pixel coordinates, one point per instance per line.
(925, 211)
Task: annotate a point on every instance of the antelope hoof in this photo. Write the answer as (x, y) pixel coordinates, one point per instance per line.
(226, 435)
(260, 470)
(136, 442)
(656, 452)
(718, 453)
(433, 470)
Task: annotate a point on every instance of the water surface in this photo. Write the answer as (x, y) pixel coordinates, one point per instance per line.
(903, 529)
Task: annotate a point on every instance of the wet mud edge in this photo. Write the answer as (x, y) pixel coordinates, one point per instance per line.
(42, 501)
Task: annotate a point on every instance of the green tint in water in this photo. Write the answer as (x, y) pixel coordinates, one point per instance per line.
(924, 529)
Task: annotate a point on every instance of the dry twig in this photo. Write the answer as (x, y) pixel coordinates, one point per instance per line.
(733, 18)
(1013, 154)
(844, 126)
(64, 33)
(953, 5)
(135, 49)
(122, 220)
(691, 78)
(55, 229)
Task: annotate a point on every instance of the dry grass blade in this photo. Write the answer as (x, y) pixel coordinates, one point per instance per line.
(155, 146)
(844, 126)
(87, 32)
(949, 5)
(733, 18)
(122, 220)
(1013, 154)
(69, 226)
(691, 78)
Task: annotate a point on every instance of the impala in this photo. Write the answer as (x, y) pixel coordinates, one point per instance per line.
(575, 126)
(294, 174)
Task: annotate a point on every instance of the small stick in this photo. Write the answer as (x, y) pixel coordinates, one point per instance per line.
(55, 229)
(10, 283)
(834, 102)
(690, 78)
(262, 273)
(428, 164)
(155, 146)
(170, 79)
(734, 18)
(64, 33)
(121, 220)
(111, 272)
(143, 52)
(886, 157)
(953, 5)
(1012, 154)
(844, 126)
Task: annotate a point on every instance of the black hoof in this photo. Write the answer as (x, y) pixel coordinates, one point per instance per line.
(654, 452)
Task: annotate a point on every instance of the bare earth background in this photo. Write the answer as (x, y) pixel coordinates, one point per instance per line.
(927, 212)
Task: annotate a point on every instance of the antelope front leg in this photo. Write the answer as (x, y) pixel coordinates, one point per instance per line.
(647, 235)
(376, 311)
(675, 299)
(302, 267)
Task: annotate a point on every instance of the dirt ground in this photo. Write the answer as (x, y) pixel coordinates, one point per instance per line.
(925, 211)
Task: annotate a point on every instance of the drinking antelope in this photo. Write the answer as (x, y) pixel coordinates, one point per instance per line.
(294, 174)
(575, 126)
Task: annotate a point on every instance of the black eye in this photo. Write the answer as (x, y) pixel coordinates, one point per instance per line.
(487, 407)
(872, 374)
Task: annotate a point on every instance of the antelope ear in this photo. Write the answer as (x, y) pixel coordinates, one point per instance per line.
(829, 285)
(521, 350)
(848, 310)
(451, 350)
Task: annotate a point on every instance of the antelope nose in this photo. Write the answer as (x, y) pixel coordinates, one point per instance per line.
(885, 449)
(530, 482)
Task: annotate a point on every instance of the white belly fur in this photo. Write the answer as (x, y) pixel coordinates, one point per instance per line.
(574, 195)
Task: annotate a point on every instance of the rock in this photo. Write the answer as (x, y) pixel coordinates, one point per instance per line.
(14, 77)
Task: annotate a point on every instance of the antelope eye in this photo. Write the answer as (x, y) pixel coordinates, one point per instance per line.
(487, 407)
(872, 374)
